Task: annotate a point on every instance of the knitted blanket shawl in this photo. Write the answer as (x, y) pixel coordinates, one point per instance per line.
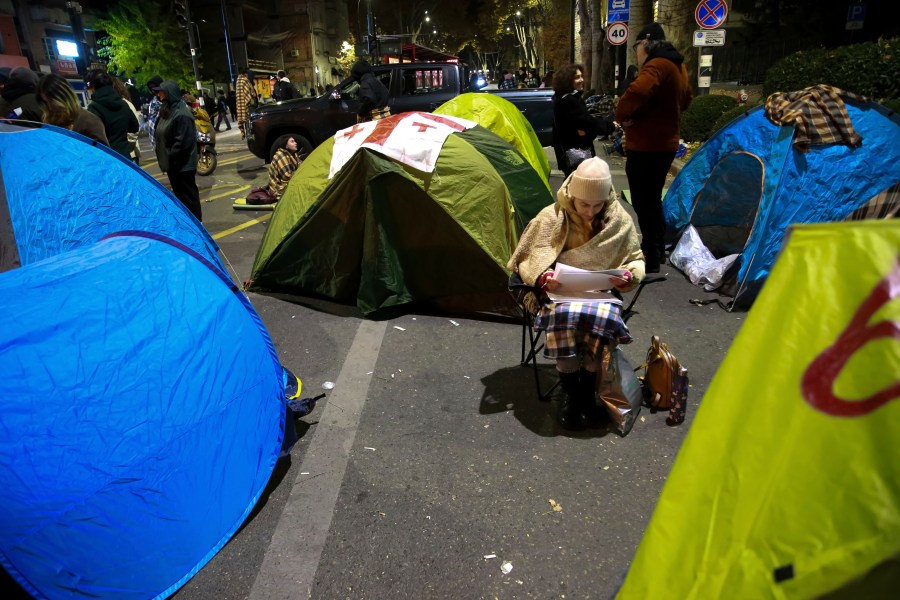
(616, 246)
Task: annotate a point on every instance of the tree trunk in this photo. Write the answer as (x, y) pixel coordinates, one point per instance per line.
(677, 18)
(641, 15)
(587, 41)
(598, 38)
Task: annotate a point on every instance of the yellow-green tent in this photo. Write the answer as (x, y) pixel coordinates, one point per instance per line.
(788, 484)
(503, 118)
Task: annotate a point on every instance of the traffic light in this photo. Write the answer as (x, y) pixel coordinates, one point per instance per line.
(181, 13)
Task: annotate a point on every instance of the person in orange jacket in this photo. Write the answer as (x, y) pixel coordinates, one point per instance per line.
(650, 112)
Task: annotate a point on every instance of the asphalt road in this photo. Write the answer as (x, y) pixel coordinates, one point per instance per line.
(431, 463)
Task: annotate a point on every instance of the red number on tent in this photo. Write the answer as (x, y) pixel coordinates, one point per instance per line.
(819, 378)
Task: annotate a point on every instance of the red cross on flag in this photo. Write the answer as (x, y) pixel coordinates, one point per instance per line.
(413, 138)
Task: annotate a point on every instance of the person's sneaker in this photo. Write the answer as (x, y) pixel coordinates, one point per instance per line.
(652, 265)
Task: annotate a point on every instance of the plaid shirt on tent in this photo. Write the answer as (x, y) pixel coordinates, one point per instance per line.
(885, 205)
(575, 328)
(818, 115)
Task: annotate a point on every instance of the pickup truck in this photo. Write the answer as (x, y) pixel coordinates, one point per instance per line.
(412, 87)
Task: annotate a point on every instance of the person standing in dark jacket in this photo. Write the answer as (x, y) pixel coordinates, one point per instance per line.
(232, 105)
(118, 118)
(574, 126)
(284, 89)
(222, 111)
(373, 96)
(650, 111)
(176, 146)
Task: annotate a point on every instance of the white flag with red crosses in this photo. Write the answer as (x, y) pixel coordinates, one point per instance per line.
(412, 138)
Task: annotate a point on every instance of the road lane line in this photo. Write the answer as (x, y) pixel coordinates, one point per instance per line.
(292, 558)
(242, 226)
(237, 190)
(229, 161)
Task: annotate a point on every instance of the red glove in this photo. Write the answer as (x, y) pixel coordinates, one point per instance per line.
(542, 280)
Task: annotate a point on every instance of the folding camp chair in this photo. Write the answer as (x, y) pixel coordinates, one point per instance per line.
(519, 289)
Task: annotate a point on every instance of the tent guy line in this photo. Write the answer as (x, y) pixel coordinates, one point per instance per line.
(293, 556)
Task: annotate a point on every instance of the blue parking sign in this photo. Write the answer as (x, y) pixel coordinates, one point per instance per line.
(856, 16)
(618, 11)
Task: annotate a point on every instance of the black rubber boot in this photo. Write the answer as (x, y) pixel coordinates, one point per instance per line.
(569, 416)
(592, 414)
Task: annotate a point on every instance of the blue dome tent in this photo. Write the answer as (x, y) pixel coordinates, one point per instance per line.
(60, 190)
(747, 184)
(143, 411)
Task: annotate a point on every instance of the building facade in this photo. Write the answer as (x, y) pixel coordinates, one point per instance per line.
(42, 36)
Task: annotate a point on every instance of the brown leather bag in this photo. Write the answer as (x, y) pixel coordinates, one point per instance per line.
(659, 377)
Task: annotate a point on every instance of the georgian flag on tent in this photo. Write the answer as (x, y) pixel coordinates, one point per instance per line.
(413, 138)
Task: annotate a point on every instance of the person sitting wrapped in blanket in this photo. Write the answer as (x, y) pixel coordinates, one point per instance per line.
(282, 167)
(587, 228)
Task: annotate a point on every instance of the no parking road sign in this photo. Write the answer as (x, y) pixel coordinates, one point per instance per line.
(711, 13)
(617, 33)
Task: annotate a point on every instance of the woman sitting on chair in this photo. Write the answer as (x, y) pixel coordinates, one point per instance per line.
(586, 228)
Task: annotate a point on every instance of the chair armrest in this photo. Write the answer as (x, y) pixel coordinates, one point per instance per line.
(646, 281)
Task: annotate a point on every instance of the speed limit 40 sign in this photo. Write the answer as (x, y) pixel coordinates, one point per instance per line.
(617, 33)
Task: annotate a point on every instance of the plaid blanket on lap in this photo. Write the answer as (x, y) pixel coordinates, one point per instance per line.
(575, 328)
(818, 115)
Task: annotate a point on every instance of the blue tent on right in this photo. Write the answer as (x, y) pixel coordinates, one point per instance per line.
(748, 183)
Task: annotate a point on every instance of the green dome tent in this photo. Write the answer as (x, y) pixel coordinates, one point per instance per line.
(414, 207)
(503, 118)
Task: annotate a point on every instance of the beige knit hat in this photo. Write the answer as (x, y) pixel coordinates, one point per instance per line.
(591, 180)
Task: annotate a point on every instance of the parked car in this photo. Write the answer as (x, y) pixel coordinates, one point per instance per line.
(412, 87)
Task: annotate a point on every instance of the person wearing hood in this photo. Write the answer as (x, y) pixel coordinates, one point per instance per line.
(153, 109)
(587, 228)
(176, 146)
(650, 112)
(247, 96)
(118, 119)
(373, 96)
(20, 96)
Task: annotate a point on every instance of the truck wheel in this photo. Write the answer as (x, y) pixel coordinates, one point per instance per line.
(303, 145)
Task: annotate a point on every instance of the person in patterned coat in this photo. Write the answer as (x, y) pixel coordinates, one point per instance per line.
(589, 229)
(246, 95)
